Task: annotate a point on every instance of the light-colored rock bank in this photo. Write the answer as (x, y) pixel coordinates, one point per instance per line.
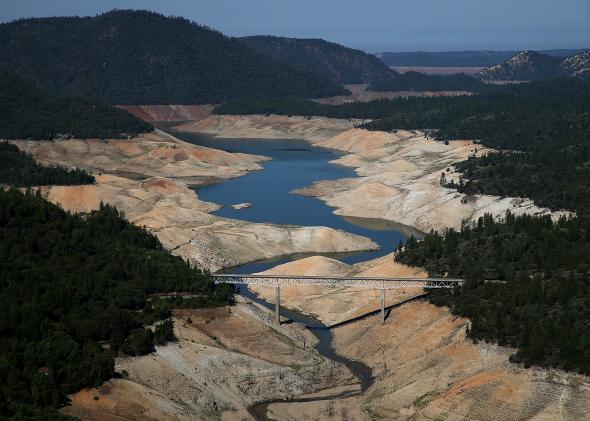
(224, 360)
(147, 178)
(334, 305)
(424, 366)
(399, 172)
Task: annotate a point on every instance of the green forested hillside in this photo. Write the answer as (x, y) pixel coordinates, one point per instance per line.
(549, 120)
(528, 278)
(532, 65)
(528, 284)
(417, 82)
(73, 293)
(19, 169)
(140, 57)
(340, 64)
(27, 112)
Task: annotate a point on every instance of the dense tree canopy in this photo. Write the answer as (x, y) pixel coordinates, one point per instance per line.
(549, 120)
(73, 292)
(528, 278)
(140, 57)
(415, 81)
(336, 62)
(528, 284)
(26, 112)
(19, 169)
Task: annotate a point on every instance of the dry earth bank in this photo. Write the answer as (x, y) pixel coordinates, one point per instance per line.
(399, 172)
(224, 360)
(423, 364)
(147, 178)
(425, 367)
(161, 113)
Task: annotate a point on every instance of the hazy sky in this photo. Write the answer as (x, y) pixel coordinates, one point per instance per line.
(372, 25)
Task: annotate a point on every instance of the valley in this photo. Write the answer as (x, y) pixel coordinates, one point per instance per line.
(397, 177)
(209, 213)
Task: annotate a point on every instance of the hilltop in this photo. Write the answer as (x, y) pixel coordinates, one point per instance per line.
(141, 57)
(531, 65)
(578, 65)
(474, 58)
(340, 64)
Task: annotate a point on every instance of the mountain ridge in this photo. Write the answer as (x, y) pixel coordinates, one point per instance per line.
(531, 65)
(466, 58)
(141, 57)
(337, 62)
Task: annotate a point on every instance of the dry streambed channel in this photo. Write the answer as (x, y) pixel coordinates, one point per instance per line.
(295, 164)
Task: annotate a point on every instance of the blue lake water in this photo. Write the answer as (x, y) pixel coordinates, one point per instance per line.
(295, 164)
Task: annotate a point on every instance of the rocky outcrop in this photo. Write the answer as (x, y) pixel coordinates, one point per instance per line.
(578, 65)
(531, 65)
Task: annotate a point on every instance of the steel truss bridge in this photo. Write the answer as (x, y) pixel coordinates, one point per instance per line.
(381, 283)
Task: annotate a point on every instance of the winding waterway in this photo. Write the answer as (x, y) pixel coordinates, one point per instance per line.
(295, 164)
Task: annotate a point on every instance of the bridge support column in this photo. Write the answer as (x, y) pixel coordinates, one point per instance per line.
(383, 305)
(278, 305)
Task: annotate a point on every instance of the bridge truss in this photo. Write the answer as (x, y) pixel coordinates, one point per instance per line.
(336, 281)
(381, 283)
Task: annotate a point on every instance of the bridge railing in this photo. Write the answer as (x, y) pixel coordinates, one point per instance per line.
(337, 281)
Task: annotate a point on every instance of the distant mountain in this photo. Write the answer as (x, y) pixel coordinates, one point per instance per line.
(578, 65)
(340, 64)
(531, 65)
(475, 58)
(140, 57)
(526, 65)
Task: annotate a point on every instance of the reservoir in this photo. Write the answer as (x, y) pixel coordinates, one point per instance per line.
(295, 164)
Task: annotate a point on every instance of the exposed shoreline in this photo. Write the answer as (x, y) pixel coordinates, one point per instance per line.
(420, 355)
(398, 172)
(148, 178)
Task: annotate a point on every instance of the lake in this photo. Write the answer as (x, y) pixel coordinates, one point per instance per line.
(295, 164)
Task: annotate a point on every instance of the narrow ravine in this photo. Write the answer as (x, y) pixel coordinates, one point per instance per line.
(324, 347)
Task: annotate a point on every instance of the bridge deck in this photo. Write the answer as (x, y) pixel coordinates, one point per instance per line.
(336, 281)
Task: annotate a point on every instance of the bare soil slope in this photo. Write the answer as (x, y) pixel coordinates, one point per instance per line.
(147, 179)
(400, 172)
(423, 364)
(224, 360)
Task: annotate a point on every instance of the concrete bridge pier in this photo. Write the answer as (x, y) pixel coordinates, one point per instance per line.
(278, 305)
(331, 281)
(383, 305)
